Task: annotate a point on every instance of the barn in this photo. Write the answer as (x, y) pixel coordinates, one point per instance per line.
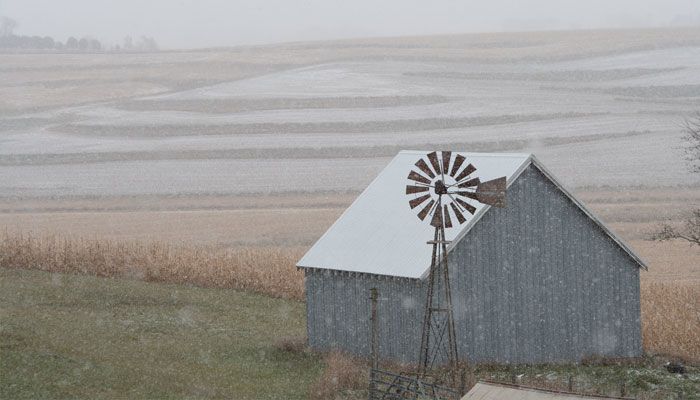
(542, 280)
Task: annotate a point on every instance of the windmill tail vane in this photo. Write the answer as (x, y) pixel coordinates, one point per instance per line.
(441, 187)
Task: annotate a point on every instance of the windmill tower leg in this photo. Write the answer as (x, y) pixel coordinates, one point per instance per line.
(438, 338)
(424, 359)
(452, 337)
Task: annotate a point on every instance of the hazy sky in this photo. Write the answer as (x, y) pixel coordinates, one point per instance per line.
(204, 23)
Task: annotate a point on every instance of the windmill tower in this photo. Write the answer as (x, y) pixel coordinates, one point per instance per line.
(445, 187)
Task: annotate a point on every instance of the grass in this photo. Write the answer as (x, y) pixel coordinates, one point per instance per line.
(76, 336)
(344, 376)
(643, 379)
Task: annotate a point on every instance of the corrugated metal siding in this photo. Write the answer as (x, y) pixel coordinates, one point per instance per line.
(339, 318)
(537, 281)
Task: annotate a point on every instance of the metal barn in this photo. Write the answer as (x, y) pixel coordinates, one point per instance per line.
(539, 281)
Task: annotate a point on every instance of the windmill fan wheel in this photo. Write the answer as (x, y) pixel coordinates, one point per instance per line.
(442, 186)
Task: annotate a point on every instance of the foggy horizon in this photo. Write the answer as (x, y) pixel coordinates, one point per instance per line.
(216, 23)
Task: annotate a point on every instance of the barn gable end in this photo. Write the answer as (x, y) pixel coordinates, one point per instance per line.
(540, 281)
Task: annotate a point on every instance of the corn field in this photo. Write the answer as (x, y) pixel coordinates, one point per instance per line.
(267, 270)
(671, 318)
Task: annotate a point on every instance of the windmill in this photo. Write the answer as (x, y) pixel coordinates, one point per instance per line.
(440, 188)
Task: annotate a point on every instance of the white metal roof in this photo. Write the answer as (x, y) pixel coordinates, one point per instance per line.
(379, 233)
(499, 391)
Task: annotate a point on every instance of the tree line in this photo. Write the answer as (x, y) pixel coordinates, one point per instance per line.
(8, 40)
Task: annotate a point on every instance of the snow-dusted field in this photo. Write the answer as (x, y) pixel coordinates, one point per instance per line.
(596, 120)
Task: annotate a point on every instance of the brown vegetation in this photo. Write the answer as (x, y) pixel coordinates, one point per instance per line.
(292, 344)
(670, 308)
(343, 373)
(671, 319)
(268, 270)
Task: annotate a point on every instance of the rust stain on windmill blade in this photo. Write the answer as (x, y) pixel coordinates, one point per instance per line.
(446, 156)
(426, 210)
(470, 183)
(410, 189)
(448, 220)
(418, 201)
(459, 160)
(437, 217)
(434, 162)
(458, 214)
(465, 173)
(425, 168)
(415, 176)
(467, 206)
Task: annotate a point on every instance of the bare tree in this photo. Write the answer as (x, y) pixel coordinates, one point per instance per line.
(690, 231)
(692, 138)
(7, 26)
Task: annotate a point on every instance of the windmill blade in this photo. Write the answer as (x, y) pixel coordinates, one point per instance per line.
(466, 172)
(458, 214)
(425, 168)
(425, 210)
(434, 162)
(415, 176)
(446, 156)
(470, 183)
(459, 160)
(466, 206)
(448, 220)
(418, 201)
(410, 189)
(437, 217)
(492, 192)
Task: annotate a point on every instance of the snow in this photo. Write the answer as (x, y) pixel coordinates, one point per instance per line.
(618, 140)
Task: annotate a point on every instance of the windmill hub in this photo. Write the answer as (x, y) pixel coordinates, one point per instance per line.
(440, 188)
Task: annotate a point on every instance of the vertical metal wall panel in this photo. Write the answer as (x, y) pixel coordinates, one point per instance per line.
(342, 302)
(575, 292)
(537, 281)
